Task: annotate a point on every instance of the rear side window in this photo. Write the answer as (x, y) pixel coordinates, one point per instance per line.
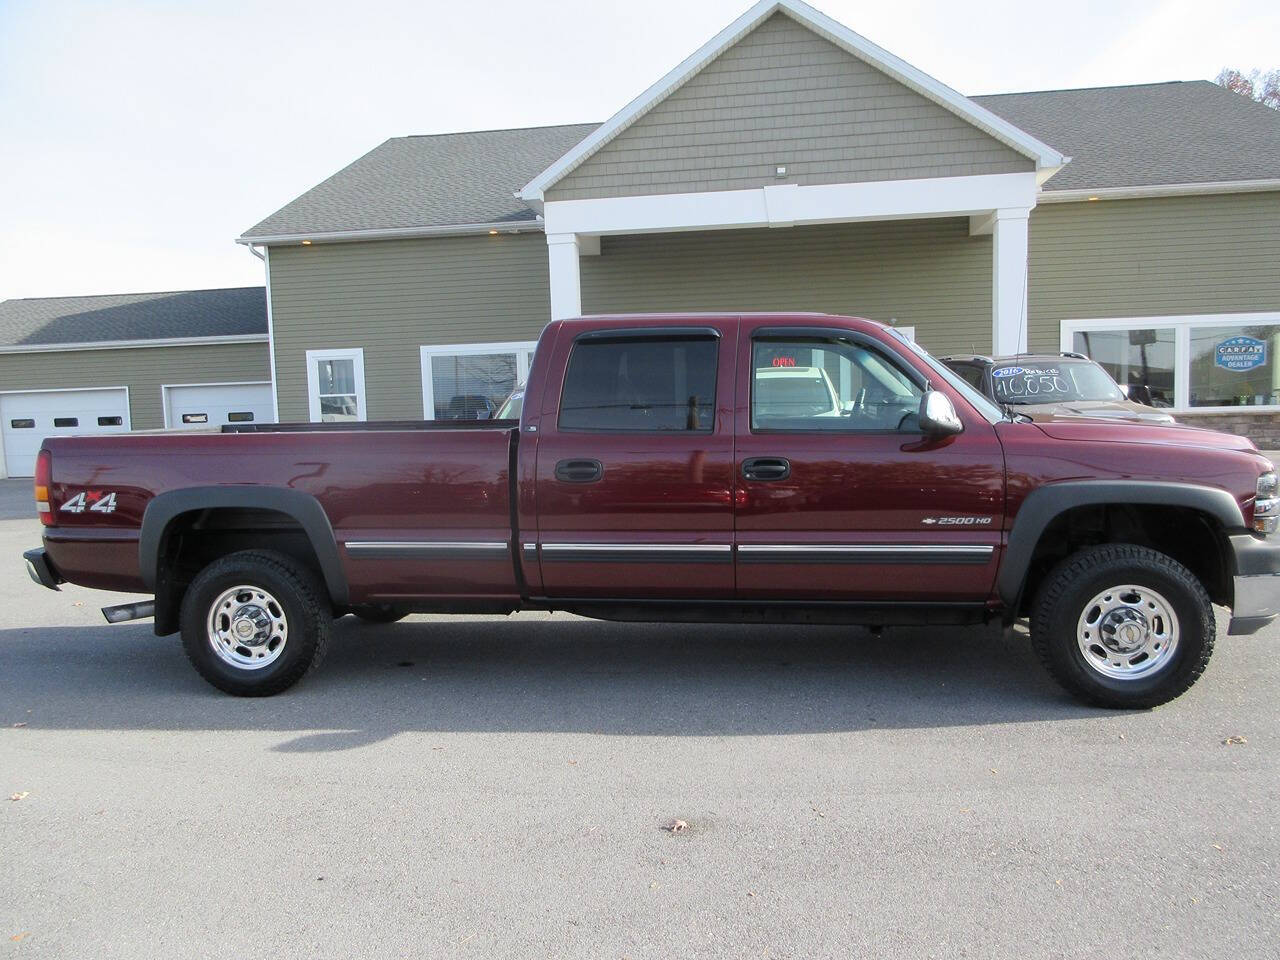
(641, 384)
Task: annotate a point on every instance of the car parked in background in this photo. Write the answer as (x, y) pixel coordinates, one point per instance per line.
(1049, 385)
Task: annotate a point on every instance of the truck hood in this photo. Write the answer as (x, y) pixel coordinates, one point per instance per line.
(1133, 431)
(1106, 409)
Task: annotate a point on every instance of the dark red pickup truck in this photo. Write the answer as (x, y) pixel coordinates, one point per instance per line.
(781, 467)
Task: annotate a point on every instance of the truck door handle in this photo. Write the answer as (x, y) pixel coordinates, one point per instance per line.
(766, 469)
(579, 471)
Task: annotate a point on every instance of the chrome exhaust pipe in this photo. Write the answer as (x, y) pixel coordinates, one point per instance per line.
(130, 611)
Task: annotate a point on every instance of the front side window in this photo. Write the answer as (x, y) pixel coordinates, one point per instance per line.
(641, 384)
(1140, 360)
(335, 382)
(1064, 381)
(821, 384)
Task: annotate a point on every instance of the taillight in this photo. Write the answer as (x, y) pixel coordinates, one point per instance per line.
(44, 479)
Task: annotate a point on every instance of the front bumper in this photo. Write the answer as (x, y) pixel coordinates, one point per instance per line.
(1256, 601)
(41, 570)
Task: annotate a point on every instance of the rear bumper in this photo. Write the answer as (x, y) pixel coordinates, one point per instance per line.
(1256, 600)
(41, 570)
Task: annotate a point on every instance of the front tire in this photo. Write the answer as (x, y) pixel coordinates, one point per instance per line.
(254, 623)
(1123, 626)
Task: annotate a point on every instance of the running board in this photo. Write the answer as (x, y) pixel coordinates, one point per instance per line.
(130, 611)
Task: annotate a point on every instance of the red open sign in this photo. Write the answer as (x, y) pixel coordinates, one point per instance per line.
(784, 361)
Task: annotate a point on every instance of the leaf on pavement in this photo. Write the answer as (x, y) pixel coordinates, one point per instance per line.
(18, 796)
(1232, 741)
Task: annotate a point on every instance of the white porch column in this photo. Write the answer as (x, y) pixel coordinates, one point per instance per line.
(1009, 281)
(566, 281)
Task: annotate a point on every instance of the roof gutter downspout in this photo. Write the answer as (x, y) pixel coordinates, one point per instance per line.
(254, 250)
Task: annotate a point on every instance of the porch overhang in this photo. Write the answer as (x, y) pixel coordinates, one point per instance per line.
(996, 204)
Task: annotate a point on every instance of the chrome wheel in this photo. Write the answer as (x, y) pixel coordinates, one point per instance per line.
(247, 627)
(1127, 632)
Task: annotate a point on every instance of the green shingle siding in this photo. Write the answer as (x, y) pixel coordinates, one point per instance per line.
(392, 297)
(784, 95)
(929, 274)
(1152, 257)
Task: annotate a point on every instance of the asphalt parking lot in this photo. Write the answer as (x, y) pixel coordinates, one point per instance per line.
(489, 787)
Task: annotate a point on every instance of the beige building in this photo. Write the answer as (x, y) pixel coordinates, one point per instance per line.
(791, 164)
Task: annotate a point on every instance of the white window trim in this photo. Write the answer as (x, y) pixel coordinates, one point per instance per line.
(1181, 325)
(523, 349)
(313, 379)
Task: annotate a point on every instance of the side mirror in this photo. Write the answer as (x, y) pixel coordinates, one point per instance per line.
(938, 416)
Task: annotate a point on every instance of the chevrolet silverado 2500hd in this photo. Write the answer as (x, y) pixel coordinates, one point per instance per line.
(666, 468)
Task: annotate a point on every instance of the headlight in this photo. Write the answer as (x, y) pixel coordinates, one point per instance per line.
(1266, 507)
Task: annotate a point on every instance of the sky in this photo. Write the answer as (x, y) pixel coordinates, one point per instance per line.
(139, 139)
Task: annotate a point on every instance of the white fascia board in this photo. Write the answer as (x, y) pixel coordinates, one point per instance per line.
(789, 204)
(133, 344)
(392, 233)
(1159, 190)
(853, 43)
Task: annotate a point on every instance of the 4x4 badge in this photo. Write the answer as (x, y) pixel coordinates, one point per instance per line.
(958, 521)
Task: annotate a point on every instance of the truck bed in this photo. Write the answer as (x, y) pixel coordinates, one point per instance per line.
(402, 491)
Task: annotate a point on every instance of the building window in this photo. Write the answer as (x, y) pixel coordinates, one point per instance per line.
(1201, 363)
(335, 385)
(1141, 360)
(471, 381)
(1234, 366)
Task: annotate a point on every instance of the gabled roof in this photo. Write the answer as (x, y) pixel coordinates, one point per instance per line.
(440, 180)
(111, 318)
(1154, 133)
(1118, 137)
(1045, 156)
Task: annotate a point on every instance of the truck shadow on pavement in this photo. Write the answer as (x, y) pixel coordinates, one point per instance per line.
(529, 675)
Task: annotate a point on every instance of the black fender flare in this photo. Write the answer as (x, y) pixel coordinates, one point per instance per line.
(1046, 503)
(302, 507)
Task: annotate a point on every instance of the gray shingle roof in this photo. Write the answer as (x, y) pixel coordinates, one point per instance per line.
(1155, 133)
(438, 180)
(1190, 132)
(232, 311)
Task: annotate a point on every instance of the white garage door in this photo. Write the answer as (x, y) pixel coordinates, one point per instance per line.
(213, 404)
(27, 418)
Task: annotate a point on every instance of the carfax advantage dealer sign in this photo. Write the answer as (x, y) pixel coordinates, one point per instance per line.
(1241, 353)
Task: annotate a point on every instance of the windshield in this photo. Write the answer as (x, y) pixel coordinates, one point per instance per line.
(978, 401)
(510, 410)
(1041, 381)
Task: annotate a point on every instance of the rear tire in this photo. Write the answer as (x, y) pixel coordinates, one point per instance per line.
(254, 623)
(1123, 626)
